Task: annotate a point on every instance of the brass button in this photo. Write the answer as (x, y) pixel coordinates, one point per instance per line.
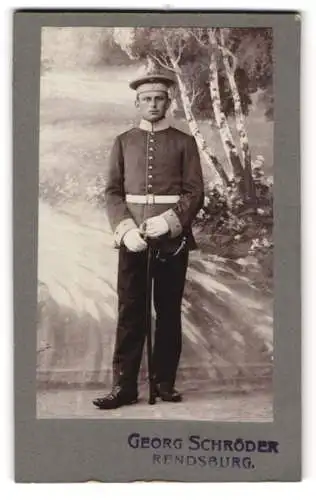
(150, 176)
(150, 167)
(150, 185)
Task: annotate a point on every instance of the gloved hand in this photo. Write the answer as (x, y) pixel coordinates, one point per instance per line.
(133, 241)
(156, 226)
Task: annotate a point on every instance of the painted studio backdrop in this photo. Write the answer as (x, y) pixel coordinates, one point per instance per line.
(224, 98)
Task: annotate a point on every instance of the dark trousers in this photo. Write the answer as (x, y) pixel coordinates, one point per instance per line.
(169, 280)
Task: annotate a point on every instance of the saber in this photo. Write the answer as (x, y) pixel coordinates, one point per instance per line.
(152, 392)
(152, 389)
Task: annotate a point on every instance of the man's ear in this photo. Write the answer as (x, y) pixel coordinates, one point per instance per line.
(137, 102)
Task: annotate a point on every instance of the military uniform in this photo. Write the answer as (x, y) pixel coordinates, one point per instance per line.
(154, 170)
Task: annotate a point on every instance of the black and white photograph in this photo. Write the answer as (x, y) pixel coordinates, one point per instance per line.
(155, 269)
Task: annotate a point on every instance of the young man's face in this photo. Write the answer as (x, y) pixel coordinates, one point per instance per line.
(152, 105)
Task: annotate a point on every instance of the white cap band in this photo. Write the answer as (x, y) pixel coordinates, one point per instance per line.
(152, 87)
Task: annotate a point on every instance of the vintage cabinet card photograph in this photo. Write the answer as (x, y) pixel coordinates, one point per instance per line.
(156, 235)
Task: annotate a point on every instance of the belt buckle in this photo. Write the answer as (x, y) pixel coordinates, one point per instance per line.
(150, 199)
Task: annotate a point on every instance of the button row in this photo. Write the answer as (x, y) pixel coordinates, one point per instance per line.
(150, 167)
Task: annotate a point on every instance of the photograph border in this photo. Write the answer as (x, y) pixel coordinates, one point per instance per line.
(69, 450)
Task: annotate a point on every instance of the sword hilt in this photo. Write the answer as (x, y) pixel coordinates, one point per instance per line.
(153, 242)
(142, 230)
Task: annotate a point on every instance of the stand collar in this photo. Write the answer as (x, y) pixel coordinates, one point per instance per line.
(154, 127)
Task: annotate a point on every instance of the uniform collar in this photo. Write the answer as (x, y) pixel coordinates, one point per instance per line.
(154, 127)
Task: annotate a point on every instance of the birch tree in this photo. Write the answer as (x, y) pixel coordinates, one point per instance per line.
(230, 64)
(172, 61)
(221, 120)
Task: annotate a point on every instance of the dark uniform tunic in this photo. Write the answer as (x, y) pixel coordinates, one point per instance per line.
(152, 161)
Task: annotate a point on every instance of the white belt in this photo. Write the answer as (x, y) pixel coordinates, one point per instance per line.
(151, 199)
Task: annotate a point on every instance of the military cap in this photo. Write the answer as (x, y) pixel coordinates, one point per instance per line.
(152, 81)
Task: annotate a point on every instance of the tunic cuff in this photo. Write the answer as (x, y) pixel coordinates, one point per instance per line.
(174, 223)
(122, 228)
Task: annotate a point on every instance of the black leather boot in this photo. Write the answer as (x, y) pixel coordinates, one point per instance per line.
(116, 398)
(166, 392)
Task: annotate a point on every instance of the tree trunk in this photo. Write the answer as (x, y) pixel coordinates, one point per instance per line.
(221, 121)
(206, 151)
(195, 130)
(240, 125)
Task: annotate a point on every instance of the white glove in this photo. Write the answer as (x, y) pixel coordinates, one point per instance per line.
(133, 241)
(156, 226)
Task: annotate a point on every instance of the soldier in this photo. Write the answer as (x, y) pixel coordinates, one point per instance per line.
(155, 177)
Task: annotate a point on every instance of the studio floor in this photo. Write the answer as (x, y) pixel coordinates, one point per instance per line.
(211, 406)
